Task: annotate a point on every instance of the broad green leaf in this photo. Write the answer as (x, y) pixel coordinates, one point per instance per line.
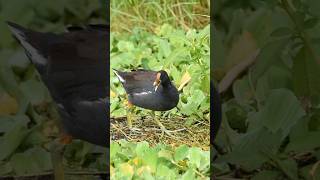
(281, 111)
(194, 156)
(269, 55)
(181, 153)
(151, 159)
(35, 91)
(306, 142)
(5, 168)
(13, 138)
(290, 168)
(259, 145)
(305, 74)
(282, 31)
(189, 175)
(266, 175)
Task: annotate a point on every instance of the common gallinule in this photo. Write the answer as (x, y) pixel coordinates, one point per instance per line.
(215, 109)
(151, 90)
(73, 66)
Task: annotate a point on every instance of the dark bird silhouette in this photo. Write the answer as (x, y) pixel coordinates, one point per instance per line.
(73, 66)
(151, 90)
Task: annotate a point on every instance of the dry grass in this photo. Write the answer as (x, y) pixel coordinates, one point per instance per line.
(186, 14)
(196, 135)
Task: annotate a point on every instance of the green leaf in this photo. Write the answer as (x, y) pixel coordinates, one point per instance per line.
(290, 168)
(164, 172)
(304, 143)
(189, 175)
(5, 168)
(269, 55)
(194, 156)
(35, 91)
(19, 62)
(310, 23)
(181, 153)
(305, 74)
(125, 46)
(314, 6)
(282, 31)
(142, 148)
(165, 154)
(266, 175)
(114, 149)
(151, 159)
(13, 138)
(258, 144)
(281, 112)
(242, 90)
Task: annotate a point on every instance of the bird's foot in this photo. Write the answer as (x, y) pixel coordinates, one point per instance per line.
(164, 130)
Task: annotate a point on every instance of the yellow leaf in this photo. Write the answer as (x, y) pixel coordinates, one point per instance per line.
(8, 104)
(126, 169)
(143, 169)
(112, 171)
(136, 161)
(112, 94)
(241, 49)
(184, 80)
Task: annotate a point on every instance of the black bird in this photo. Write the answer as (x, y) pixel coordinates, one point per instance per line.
(151, 90)
(73, 66)
(215, 109)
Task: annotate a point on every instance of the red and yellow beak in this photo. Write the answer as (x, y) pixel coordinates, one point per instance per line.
(157, 82)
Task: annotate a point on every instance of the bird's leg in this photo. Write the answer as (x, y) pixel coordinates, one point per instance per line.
(57, 149)
(163, 129)
(129, 114)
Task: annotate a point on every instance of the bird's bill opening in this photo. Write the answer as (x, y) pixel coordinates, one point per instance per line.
(157, 82)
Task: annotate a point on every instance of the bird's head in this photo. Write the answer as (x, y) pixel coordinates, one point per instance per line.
(161, 78)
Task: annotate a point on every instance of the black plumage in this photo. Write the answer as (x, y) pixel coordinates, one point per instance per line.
(73, 65)
(143, 91)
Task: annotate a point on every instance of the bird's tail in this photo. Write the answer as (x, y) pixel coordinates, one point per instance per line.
(118, 74)
(33, 42)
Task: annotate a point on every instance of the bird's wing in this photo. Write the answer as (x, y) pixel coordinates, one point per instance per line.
(137, 81)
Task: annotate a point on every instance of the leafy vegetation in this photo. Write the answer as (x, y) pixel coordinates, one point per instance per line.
(27, 113)
(184, 55)
(174, 37)
(271, 116)
(140, 161)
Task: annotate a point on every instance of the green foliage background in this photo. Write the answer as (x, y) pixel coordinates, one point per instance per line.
(271, 122)
(174, 36)
(174, 50)
(27, 113)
